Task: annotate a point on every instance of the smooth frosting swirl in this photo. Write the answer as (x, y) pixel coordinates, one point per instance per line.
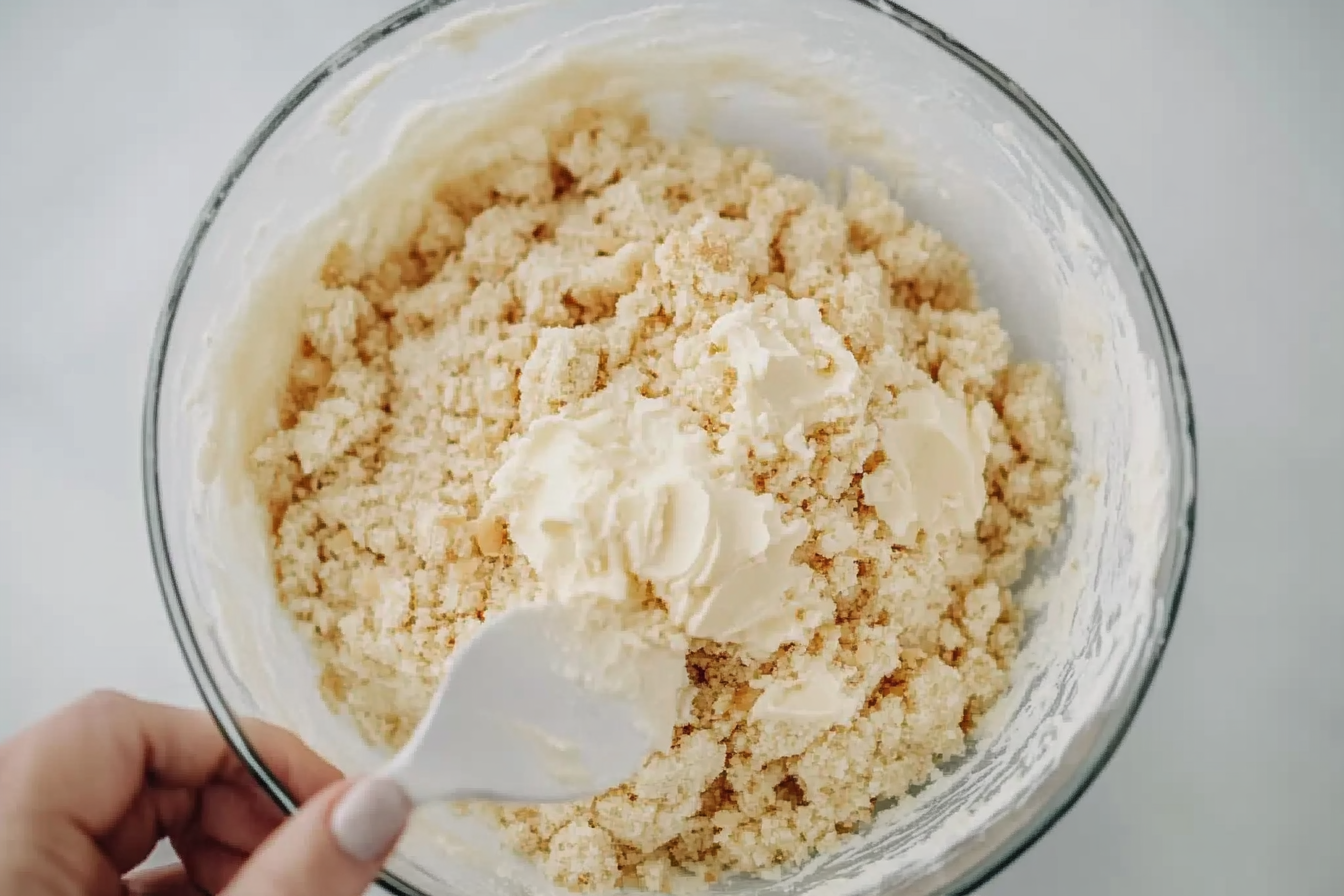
(601, 500)
(933, 477)
(789, 363)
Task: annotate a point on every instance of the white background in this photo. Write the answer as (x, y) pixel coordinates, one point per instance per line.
(1219, 125)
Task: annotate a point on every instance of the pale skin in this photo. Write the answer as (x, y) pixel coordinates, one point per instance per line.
(87, 793)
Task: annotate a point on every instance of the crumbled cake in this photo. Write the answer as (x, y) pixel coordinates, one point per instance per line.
(595, 255)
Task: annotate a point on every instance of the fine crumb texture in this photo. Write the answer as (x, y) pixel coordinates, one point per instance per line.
(588, 263)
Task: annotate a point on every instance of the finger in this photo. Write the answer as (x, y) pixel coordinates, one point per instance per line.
(334, 845)
(206, 867)
(233, 819)
(237, 815)
(170, 880)
(292, 762)
(213, 830)
(234, 813)
(44, 853)
(209, 863)
(152, 815)
(92, 759)
(234, 816)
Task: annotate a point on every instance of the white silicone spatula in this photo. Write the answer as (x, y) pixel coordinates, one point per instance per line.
(513, 722)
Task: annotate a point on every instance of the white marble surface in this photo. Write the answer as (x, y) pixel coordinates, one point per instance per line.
(1217, 124)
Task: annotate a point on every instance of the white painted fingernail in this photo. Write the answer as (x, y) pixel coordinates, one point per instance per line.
(369, 818)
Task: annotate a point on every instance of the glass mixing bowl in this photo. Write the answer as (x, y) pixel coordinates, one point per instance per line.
(969, 152)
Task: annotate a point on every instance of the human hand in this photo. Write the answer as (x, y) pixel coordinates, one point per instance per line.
(87, 793)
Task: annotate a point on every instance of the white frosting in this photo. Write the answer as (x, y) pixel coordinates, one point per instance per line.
(817, 698)
(933, 477)
(603, 501)
(789, 364)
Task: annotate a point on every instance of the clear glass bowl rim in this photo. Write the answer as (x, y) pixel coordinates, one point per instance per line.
(1181, 526)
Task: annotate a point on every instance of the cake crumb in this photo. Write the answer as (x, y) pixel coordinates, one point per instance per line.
(593, 255)
(489, 536)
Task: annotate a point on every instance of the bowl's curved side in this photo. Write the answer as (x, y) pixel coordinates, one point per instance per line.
(1181, 526)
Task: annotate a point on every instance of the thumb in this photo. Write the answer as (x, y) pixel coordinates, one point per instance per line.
(333, 846)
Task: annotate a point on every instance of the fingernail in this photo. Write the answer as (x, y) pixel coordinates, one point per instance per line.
(369, 818)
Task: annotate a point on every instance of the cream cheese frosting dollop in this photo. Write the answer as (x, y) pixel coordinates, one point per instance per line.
(789, 363)
(816, 698)
(601, 499)
(933, 476)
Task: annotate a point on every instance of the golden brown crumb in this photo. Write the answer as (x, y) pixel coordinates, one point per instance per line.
(489, 536)
(596, 256)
